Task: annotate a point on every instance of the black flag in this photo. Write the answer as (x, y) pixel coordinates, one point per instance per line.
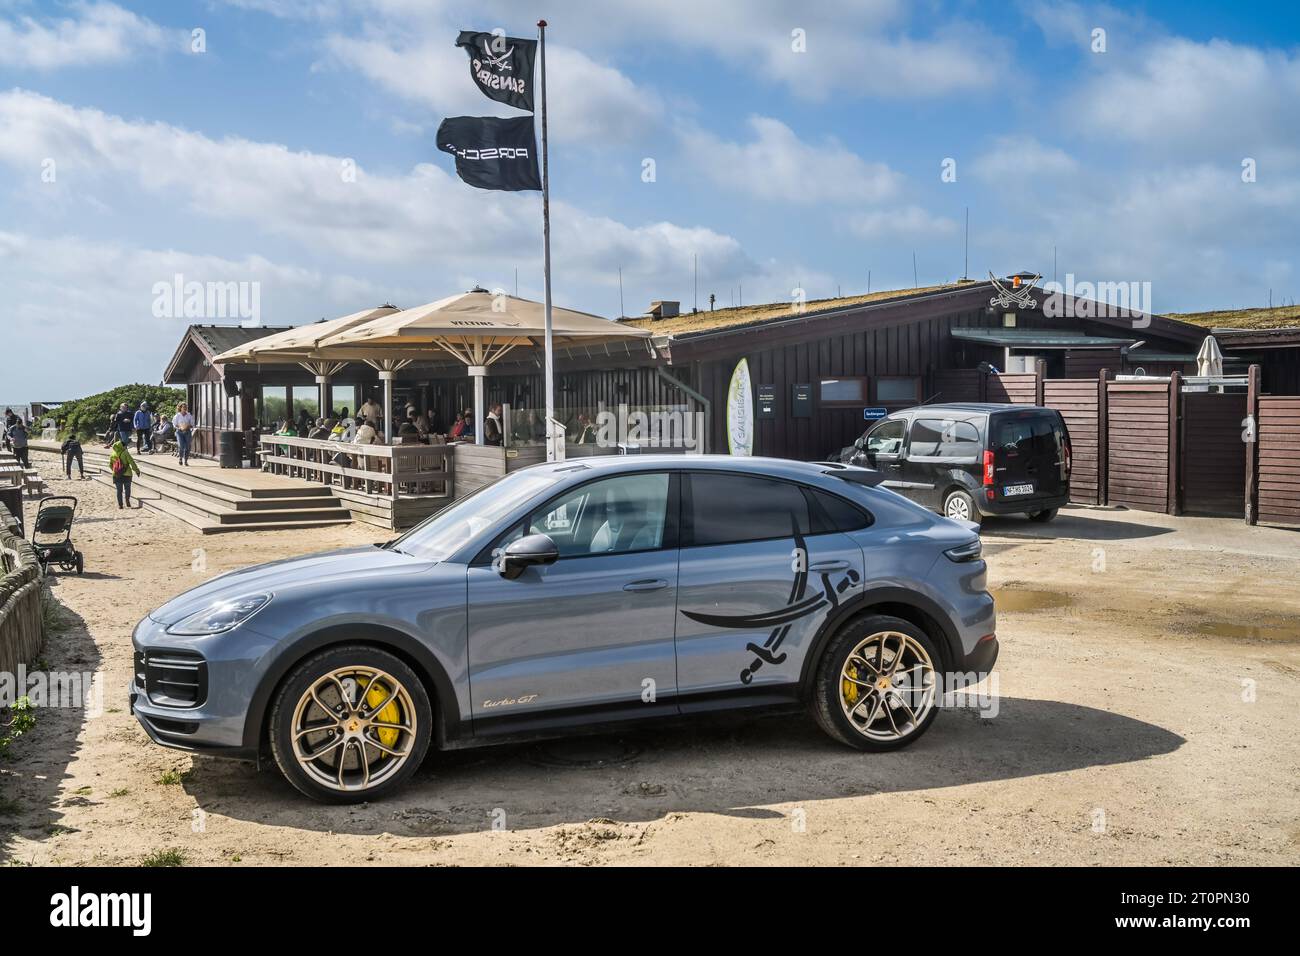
(502, 66)
(492, 153)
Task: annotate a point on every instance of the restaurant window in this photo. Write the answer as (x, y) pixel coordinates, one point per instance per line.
(898, 389)
(306, 397)
(275, 405)
(843, 391)
(341, 397)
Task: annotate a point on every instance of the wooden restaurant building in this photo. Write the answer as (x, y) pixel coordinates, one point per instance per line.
(814, 371)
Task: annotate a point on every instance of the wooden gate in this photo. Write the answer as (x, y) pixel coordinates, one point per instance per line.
(1213, 463)
(1139, 440)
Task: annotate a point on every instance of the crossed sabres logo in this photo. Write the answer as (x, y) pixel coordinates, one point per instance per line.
(1016, 294)
(799, 604)
(502, 62)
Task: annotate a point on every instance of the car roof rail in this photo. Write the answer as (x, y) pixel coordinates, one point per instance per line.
(859, 476)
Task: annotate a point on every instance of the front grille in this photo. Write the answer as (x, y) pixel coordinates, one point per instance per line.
(172, 678)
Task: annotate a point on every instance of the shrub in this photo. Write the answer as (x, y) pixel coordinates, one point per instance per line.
(89, 417)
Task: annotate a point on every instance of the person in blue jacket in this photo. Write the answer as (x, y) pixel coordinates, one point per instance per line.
(143, 422)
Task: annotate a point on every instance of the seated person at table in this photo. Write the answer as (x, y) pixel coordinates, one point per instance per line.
(345, 430)
(407, 434)
(287, 429)
(319, 431)
(367, 433)
(468, 430)
(457, 427)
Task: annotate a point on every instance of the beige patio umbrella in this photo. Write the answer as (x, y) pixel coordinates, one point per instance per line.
(1209, 360)
(299, 345)
(477, 328)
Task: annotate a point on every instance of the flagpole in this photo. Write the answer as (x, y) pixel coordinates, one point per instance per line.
(546, 258)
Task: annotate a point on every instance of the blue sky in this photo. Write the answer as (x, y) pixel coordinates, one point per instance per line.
(129, 157)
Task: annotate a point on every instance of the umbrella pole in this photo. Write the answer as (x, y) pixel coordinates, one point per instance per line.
(477, 372)
(323, 381)
(551, 454)
(387, 378)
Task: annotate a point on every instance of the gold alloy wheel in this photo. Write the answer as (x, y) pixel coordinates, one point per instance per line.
(887, 686)
(353, 728)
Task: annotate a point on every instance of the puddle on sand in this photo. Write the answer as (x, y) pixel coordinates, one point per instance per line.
(1250, 632)
(1025, 601)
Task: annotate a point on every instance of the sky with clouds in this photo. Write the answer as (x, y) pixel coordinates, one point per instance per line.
(793, 146)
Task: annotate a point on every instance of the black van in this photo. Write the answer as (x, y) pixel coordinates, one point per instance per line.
(968, 460)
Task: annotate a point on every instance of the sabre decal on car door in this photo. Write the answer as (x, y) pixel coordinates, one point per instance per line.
(798, 605)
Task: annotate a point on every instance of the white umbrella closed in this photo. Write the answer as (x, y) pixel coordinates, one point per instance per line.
(1209, 360)
(478, 328)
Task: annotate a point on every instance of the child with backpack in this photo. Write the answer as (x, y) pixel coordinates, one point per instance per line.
(122, 466)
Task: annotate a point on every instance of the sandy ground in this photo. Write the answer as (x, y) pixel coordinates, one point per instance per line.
(1149, 693)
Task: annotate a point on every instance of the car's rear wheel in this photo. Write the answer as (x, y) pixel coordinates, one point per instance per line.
(960, 505)
(877, 684)
(1045, 515)
(351, 723)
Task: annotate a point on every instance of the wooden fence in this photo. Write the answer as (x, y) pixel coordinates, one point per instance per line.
(1273, 475)
(20, 597)
(391, 485)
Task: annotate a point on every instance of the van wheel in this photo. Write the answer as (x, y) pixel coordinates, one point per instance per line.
(351, 723)
(877, 684)
(960, 505)
(1043, 516)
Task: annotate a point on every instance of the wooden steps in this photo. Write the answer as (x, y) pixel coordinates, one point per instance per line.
(215, 500)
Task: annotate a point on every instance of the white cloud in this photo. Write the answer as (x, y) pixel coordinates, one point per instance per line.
(777, 164)
(423, 216)
(99, 33)
(1013, 159)
(1179, 95)
(906, 222)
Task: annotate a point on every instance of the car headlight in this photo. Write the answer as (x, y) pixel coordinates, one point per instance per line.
(219, 617)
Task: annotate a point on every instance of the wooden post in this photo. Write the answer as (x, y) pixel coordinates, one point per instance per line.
(1103, 440)
(1250, 430)
(1040, 373)
(1174, 506)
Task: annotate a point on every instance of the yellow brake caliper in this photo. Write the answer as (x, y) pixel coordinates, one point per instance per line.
(850, 689)
(376, 693)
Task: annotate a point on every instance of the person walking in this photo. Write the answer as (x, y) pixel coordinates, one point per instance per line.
(71, 449)
(141, 420)
(122, 466)
(183, 422)
(123, 423)
(17, 434)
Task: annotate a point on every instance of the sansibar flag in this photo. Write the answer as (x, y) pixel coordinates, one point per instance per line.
(501, 66)
(492, 153)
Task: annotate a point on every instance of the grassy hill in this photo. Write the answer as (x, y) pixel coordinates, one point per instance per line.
(1282, 315)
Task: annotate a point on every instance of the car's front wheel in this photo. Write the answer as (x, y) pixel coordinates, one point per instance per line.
(877, 684)
(351, 723)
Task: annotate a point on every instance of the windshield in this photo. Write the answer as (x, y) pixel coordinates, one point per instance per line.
(441, 535)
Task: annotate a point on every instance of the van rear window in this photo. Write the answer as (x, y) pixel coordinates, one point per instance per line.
(1031, 435)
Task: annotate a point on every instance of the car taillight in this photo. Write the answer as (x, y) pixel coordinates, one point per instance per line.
(988, 468)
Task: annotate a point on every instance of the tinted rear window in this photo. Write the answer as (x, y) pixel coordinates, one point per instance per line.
(731, 508)
(833, 513)
(1030, 435)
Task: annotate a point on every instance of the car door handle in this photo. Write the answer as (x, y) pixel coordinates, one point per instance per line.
(826, 567)
(650, 584)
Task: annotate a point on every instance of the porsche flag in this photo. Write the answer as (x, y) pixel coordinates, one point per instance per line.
(492, 153)
(501, 66)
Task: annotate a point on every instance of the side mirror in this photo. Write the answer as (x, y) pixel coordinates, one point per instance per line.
(860, 442)
(533, 549)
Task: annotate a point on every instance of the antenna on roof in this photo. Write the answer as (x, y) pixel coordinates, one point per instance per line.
(621, 313)
(868, 282)
(915, 284)
(965, 269)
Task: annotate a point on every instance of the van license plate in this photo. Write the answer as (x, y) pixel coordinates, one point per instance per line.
(1009, 490)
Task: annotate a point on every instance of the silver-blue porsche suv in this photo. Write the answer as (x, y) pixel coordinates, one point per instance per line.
(574, 596)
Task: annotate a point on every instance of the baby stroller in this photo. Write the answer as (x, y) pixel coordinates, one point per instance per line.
(52, 534)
